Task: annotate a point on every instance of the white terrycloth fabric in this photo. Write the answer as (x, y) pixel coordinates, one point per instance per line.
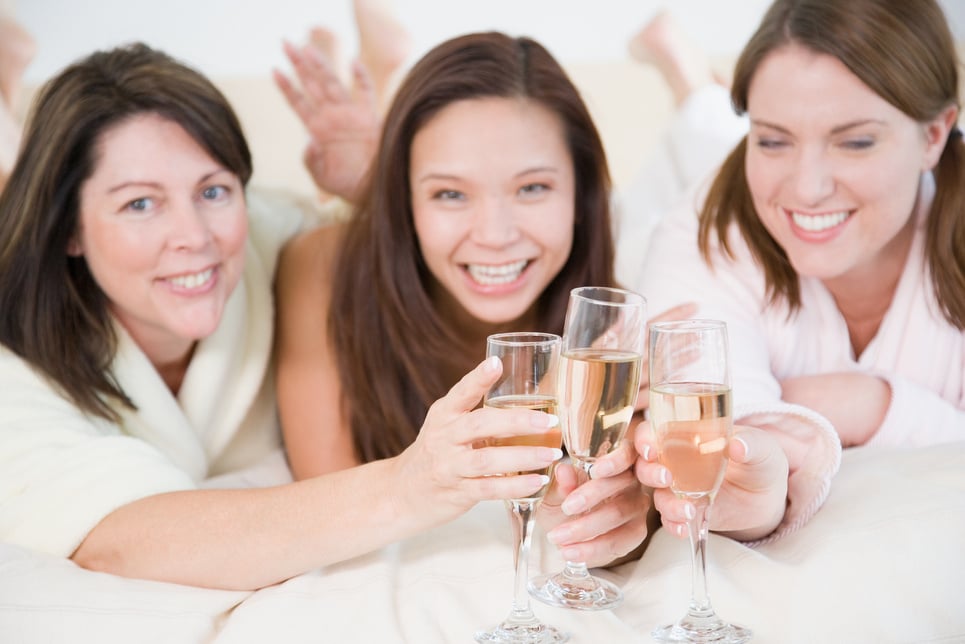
(881, 562)
(61, 471)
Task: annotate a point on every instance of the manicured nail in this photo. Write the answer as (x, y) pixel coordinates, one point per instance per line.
(681, 530)
(664, 477)
(689, 511)
(492, 364)
(551, 454)
(574, 504)
(646, 452)
(544, 420)
(747, 449)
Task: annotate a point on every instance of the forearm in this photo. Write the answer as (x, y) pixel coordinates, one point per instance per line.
(247, 539)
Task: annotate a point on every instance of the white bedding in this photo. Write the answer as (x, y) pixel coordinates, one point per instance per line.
(883, 561)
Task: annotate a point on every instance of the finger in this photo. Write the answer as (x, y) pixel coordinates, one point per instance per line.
(565, 480)
(607, 548)
(672, 508)
(503, 487)
(466, 394)
(594, 493)
(293, 96)
(617, 461)
(493, 461)
(679, 312)
(325, 78)
(652, 475)
(363, 88)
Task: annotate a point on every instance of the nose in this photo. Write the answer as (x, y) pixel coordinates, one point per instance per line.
(813, 177)
(494, 223)
(190, 228)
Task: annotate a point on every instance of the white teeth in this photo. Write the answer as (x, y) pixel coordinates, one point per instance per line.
(192, 281)
(489, 274)
(817, 223)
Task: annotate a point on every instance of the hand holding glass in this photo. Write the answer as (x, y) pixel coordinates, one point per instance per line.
(692, 422)
(530, 362)
(603, 344)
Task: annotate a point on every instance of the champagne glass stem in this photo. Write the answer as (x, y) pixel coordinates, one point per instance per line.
(698, 528)
(521, 512)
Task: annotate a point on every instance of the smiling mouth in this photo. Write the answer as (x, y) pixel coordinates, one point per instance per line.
(193, 280)
(494, 274)
(819, 223)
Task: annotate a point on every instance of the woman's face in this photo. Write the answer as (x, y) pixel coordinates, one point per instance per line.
(493, 200)
(162, 227)
(833, 168)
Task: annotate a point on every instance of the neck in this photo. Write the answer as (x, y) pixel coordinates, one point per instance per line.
(864, 295)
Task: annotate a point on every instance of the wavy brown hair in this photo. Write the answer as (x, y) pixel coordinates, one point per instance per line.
(393, 347)
(903, 51)
(55, 316)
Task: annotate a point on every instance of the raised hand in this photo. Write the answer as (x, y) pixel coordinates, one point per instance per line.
(602, 520)
(343, 124)
(752, 498)
(444, 475)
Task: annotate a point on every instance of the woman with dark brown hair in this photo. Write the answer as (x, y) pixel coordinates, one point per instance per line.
(136, 337)
(486, 203)
(832, 241)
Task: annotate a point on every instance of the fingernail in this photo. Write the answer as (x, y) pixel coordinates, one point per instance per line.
(747, 449)
(681, 530)
(543, 480)
(574, 504)
(558, 535)
(551, 454)
(491, 365)
(689, 511)
(664, 477)
(646, 452)
(544, 420)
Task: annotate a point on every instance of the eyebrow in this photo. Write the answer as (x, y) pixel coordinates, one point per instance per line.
(155, 185)
(835, 130)
(452, 177)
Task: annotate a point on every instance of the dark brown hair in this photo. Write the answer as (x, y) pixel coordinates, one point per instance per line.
(393, 348)
(903, 51)
(55, 316)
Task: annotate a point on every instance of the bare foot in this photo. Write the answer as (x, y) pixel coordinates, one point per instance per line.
(663, 43)
(384, 44)
(9, 142)
(17, 49)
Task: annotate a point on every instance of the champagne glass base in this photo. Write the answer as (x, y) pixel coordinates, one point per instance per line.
(588, 593)
(522, 632)
(702, 630)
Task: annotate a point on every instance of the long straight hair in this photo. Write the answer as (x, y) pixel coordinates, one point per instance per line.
(54, 315)
(393, 347)
(903, 51)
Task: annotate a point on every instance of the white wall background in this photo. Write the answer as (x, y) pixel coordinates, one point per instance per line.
(243, 37)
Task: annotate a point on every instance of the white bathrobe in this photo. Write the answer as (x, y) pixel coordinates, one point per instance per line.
(62, 472)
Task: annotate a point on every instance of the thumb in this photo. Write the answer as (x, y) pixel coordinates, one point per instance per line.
(466, 394)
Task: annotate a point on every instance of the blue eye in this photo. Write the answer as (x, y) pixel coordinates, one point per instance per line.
(213, 193)
(447, 195)
(139, 205)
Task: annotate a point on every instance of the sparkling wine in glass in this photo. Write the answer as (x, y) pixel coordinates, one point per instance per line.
(691, 417)
(530, 362)
(599, 378)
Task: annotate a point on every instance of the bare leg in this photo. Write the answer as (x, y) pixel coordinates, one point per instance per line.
(663, 43)
(384, 44)
(17, 49)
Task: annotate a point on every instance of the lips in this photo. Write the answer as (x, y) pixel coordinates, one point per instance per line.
(495, 274)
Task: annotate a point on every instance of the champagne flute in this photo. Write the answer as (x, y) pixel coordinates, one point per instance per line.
(691, 417)
(530, 361)
(603, 344)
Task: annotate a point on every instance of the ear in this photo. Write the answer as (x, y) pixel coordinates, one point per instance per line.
(74, 247)
(936, 135)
